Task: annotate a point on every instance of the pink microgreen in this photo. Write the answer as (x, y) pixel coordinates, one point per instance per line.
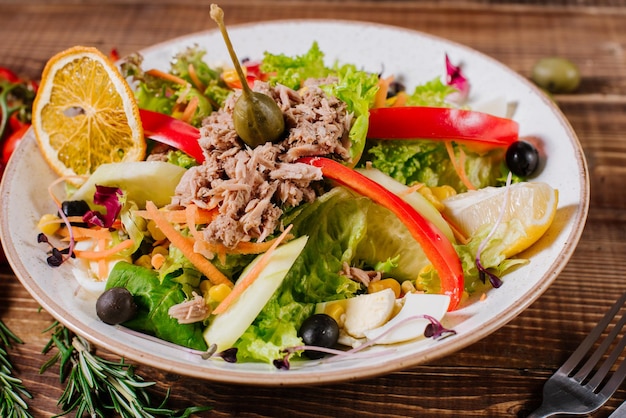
(456, 79)
(110, 198)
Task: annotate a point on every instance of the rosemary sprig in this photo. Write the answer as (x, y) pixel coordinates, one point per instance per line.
(96, 386)
(12, 391)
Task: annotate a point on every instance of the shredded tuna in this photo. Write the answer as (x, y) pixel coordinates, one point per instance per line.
(360, 275)
(250, 186)
(190, 311)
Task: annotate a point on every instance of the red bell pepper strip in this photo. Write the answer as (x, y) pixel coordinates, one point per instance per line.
(414, 122)
(436, 246)
(173, 132)
(8, 75)
(10, 143)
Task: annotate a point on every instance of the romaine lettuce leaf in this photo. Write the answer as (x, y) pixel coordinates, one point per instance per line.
(154, 298)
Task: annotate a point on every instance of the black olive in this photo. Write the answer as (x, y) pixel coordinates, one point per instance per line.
(116, 305)
(75, 208)
(522, 158)
(394, 88)
(319, 330)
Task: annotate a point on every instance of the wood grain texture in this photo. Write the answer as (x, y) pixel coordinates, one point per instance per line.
(499, 376)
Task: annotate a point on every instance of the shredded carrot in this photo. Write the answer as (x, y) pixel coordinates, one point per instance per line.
(410, 189)
(400, 99)
(104, 254)
(166, 76)
(195, 79)
(81, 233)
(483, 297)
(157, 260)
(240, 248)
(60, 180)
(459, 167)
(191, 212)
(383, 88)
(103, 266)
(185, 245)
(458, 234)
(190, 109)
(245, 282)
(179, 216)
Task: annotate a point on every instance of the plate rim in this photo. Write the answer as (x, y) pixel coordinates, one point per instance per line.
(327, 376)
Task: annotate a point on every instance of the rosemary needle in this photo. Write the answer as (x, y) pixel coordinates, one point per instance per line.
(97, 387)
(12, 391)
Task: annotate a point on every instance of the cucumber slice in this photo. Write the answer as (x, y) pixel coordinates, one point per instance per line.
(228, 326)
(140, 180)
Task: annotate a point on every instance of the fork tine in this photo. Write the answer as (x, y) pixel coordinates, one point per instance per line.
(608, 363)
(588, 342)
(616, 380)
(597, 355)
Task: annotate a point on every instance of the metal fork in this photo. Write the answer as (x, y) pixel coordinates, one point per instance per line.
(577, 389)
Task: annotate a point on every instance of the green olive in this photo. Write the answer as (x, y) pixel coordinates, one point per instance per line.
(556, 75)
(256, 116)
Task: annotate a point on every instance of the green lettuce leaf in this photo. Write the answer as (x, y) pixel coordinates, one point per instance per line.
(160, 95)
(432, 93)
(428, 162)
(154, 297)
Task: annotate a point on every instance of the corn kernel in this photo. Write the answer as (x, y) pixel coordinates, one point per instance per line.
(443, 192)
(337, 312)
(219, 292)
(383, 284)
(48, 224)
(155, 232)
(144, 261)
(408, 287)
(428, 194)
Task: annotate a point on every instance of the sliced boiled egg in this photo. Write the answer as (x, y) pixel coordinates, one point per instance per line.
(409, 324)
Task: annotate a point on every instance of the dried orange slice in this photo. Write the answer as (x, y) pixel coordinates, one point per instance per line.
(85, 114)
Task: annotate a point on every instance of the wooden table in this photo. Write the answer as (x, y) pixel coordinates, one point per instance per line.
(501, 375)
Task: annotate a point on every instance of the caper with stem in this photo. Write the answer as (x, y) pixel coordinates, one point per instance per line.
(256, 116)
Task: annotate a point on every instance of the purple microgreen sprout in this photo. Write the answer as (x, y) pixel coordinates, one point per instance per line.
(495, 281)
(111, 199)
(436, 330)
(283, 363)
(456, 79)
(56, 258)
(229, 355)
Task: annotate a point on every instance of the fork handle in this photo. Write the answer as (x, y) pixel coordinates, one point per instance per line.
(543, 412)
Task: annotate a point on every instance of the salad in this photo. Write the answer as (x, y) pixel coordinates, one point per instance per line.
(335, 234)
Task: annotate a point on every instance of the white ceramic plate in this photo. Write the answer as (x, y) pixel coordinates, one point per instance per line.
(415, 58)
